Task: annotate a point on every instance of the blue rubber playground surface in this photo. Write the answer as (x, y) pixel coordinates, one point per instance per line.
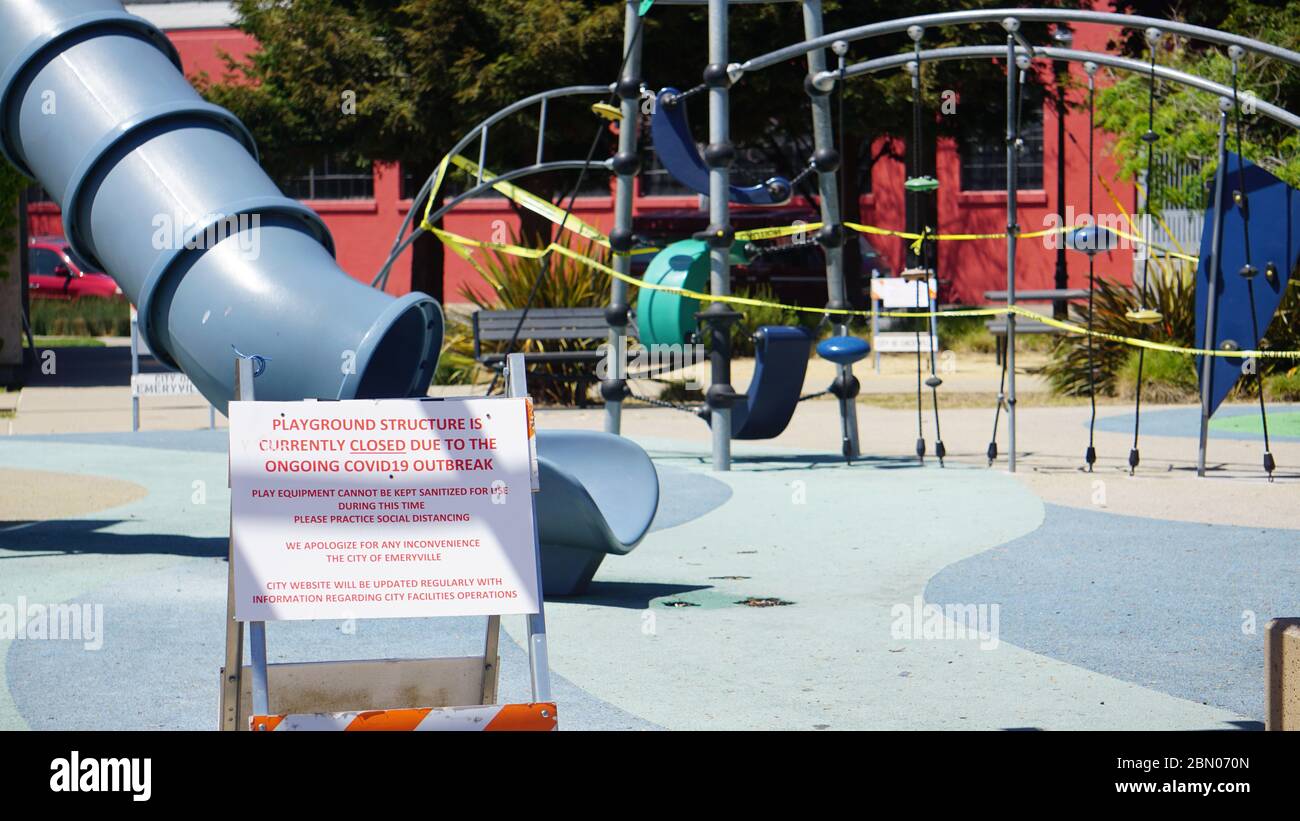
(1102, 620)
(1230, 422)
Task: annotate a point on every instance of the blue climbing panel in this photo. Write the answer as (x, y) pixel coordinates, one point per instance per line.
(1275, 238)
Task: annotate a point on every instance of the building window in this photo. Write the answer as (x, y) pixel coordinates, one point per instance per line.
(984, 156)
(334, 178)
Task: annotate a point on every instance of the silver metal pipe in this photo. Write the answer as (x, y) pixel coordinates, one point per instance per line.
(1270, 110)
(1013, 105)
(554, 165)
(720, 217)
(423, 193)
(828, 187)
(1212, 269)
(624, 188)
(541, 133)
(954, 18)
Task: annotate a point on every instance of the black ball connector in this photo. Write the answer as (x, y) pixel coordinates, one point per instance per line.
(621, 240)
(628, 88)
(1248, 271)
(616, 315)
(1150, 137)
(627, 163)
(933, 381)
(1133, 461)
(1090, 456)
(720, 397)
(826, 160)
(614, 390)
(843, 388)
(1270, 272)
(719, 155)
(830, 236)
(716, 76)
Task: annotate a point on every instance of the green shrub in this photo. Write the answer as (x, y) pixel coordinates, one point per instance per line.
(88, 316)
(1166, 377)
(755, 317)
(568, 283)
(1283, 387)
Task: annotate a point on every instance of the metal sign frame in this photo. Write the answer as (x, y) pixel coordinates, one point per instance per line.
(321, 695)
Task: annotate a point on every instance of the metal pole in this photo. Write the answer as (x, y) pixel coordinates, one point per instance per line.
(1061, 71)
(256, 629)
(135, 369)
(626, 165)
(1212, 269)
(718, 156)
(1011, 25)
(826, 161)
(538, 661)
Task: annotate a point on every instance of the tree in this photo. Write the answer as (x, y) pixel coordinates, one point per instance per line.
(1186, 119)
(421, 73)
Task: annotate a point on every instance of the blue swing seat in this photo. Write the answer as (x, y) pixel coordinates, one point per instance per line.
(781, 360)
(599, 494)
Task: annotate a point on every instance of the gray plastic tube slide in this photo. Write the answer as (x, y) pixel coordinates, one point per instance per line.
(164, 191)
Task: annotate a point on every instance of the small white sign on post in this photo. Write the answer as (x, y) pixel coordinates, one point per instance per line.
(162, 384)
(896, 292)
(382, 509)
(901, 342)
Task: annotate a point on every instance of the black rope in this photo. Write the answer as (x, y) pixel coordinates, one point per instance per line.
(1150, 139)
(568, 208)
(992, 451)
(1249, 270)
(997, 413)
(1090, 455)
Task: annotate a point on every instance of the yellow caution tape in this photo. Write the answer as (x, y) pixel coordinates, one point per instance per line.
(557, 215)
(1069, 327)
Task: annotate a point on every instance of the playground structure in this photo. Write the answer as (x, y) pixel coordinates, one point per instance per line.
(156, 148)
(600, 492)
(671, 286)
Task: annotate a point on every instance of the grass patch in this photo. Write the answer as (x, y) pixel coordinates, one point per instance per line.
(1283, 387)
(88, 316)
(1167, 378)
(963, 400)
(68, 342)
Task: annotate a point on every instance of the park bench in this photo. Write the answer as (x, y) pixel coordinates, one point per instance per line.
(998, 325)
(553, 324)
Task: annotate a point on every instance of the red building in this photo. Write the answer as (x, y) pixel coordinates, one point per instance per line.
(364, 211)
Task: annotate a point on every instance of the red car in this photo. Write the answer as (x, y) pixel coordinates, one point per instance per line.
(55, 271)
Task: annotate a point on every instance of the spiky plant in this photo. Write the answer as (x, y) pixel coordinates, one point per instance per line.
(568, 283)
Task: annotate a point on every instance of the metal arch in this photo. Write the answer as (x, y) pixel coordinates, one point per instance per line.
(381, 278)
(540, 97)
(1033, 15)
(1277, 113)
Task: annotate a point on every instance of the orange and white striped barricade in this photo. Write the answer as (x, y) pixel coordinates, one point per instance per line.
(382, 509)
